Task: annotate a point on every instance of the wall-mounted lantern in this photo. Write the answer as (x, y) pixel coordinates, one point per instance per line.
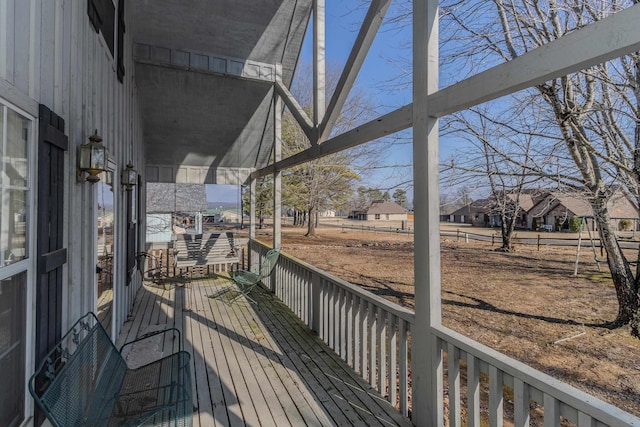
(93, 158)
(129, 177)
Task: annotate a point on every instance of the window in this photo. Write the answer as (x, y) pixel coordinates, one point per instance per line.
(377, 216)
(14, 170)
(12, 348)
(15, 137)
(102, 14)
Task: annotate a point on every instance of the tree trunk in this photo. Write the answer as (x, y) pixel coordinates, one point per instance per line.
(311, 224)
(507, 227)
(625, 284)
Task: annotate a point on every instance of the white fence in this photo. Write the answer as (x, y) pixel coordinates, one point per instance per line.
(373, 336)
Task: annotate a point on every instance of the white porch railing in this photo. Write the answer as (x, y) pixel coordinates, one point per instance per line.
(373, 336)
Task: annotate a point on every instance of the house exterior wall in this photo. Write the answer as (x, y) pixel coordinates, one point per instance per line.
(50, 54)
(386, 217)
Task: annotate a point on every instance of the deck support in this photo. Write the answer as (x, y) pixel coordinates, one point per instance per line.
(277, 156)
(319, 68)
(426, 355)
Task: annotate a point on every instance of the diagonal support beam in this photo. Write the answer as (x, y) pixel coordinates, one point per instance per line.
(602, 41)
(608, 39)
(296, 110)
(388, 124)
(361, 47)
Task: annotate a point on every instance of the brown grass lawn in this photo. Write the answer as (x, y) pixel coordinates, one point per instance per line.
(526, 304)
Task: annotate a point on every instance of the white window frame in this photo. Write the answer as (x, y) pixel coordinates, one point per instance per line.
(26, 265)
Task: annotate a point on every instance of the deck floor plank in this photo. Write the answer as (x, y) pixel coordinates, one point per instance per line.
(287, 408)
(358, 392)
(257, 364)
(212, 408)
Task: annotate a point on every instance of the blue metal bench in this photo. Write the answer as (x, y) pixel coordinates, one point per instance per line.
(85, 381)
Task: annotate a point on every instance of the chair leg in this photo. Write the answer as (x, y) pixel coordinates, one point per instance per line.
(244, 293)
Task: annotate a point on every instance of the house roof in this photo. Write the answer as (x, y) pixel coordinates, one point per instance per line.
(477, 206)
(574, 205)
(165, 197)
(385, 207)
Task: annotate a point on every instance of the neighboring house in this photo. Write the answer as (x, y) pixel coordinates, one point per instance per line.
(539, 208)
(329, 213)
(475, 213)
(381, 210)
(556, 208)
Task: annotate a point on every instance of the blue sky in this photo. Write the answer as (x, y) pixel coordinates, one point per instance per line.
(383, 63)
(343, 21)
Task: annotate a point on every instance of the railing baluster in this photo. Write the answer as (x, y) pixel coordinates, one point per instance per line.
(585, 420)
(551, 411)
(364, 342)
(453, 376)
(404, 368)
(373, 325)
(332, 315)
(342, 340)
(473, 391)
(521, 415)
(496, 397)
(349, 328)
(357, 334)
(382, 351)
(393, 361)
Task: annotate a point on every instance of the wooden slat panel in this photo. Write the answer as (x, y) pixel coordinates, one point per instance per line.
(473, 391)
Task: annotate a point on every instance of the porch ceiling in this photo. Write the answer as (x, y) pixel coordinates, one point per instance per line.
(205, 72)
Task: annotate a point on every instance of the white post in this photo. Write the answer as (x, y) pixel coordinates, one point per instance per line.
(277, 155)
(426, 358)
(319, 71)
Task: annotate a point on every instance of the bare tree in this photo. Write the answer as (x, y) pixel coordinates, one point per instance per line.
(328, 182)
(595, 113)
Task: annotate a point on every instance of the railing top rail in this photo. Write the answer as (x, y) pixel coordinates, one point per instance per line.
(561, 391)
(393, 308)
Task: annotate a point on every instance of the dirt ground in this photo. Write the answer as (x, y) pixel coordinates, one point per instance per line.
(526, 304)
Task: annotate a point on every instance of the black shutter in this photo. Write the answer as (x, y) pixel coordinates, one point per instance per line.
(109, 24)
(102, 15)
(51, 253)
(121, 30)
(93, 10)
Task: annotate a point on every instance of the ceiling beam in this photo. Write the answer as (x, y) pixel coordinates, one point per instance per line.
(367, 34)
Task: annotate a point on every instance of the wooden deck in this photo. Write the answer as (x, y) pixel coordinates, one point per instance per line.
(254, 365)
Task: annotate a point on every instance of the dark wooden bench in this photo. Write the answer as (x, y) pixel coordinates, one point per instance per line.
(85, 381)
(209, 249)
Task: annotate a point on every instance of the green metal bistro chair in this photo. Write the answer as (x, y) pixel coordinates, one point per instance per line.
(247, 280)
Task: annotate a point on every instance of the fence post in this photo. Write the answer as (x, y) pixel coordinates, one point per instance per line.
(493, 239)
(466, 237)
(457, 235)
(538, 243)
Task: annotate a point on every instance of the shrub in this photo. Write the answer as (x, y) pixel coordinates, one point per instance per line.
(574, 224)
(624, 225)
